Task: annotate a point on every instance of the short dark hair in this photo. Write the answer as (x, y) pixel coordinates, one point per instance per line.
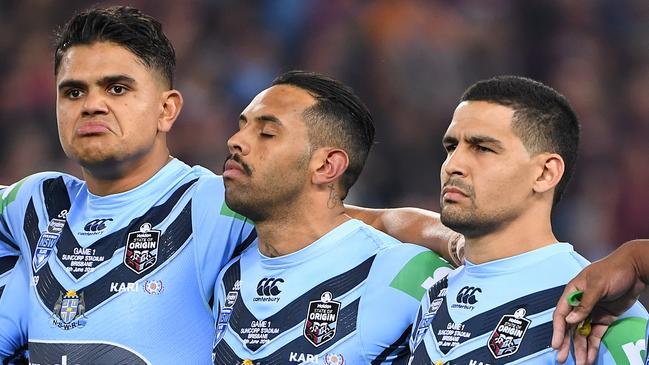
(338, 118)
(125, 26)
(543, 118)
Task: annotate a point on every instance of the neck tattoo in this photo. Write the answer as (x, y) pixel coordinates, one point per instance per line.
(270, 251)
(333, 200)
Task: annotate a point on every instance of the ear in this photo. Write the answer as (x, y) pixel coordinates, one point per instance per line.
(330, 165)
(172, 103)
(551, 167)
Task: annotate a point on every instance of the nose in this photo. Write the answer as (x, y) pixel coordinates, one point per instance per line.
(454, 165)
(237, 144)
(94, 103)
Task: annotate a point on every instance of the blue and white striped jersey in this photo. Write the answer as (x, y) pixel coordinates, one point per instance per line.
(348, 298)
(125, 278)
(500, 312)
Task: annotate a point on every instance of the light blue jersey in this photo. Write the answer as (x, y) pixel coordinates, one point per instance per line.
(125, 278)
(500, 312)
(14, 286)
(348, 298)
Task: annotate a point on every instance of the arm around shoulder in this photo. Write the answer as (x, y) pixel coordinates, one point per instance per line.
(414, 225)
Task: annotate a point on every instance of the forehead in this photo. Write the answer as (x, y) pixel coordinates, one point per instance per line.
(285, 102)
(100, 59)
(481, 118)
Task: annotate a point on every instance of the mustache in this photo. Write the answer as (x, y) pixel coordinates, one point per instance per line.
(457, 183)
(237, 158)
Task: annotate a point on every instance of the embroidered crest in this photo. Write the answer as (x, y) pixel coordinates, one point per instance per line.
(47, 241)
(508, 335)
(141, 251)
(426, 320)
(153, 287)
(69, 310)
(226, 312)
(321, 320)
(334, 359)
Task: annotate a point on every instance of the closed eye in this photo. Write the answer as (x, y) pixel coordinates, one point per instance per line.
(450, 147)
(482, 148)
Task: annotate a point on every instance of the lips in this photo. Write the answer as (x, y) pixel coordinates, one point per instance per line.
(452, 193)
(453, 190)
(232, 169)
(91, 128)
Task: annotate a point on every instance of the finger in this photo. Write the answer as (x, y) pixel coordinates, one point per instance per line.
(559, 329)
(594, 341)
(564, 349)
(563, 308)
(581, 311)
(580, 344)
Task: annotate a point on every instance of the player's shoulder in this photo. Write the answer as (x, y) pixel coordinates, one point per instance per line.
(207, 183)
(33, 184)
(559, 255)
(204, 175)
(394, 251)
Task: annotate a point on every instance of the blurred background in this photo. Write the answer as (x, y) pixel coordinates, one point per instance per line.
(409, 61)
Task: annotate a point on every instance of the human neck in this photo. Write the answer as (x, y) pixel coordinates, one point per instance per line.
(297, 226)
(118, 177)
(513, 238)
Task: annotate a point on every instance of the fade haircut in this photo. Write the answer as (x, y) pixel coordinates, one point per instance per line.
(125, 26)
(338, 119)
(543, 119)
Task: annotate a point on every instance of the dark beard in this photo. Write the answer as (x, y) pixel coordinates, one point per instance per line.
(469, 224)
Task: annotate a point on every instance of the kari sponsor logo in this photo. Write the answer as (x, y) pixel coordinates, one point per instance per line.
(123, 287)
(301, 358)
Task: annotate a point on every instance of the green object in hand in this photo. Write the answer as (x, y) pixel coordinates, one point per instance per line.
(574, 298)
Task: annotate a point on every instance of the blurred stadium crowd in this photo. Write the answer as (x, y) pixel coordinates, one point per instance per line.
(410, 62)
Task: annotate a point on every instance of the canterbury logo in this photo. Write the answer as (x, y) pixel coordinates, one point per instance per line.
(268, 287)
(96, 225)
(467, 294)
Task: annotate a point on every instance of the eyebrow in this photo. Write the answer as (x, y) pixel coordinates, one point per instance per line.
(449, 140)
(474, 140)
(263, 118)
(106, 80)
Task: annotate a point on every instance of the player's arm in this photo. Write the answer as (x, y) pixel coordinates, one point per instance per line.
(610, 286)
(414, 225)
(395, 298)
(14, 286)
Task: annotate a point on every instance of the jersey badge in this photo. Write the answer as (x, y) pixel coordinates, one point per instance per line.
(69, 311)
(508, 335)
(141, 251)
(226, 312)
(47, 241)
(334, 359)
(153, 287)
(321, 320)
(426, 320)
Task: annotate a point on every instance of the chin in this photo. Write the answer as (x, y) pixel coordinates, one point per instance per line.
(461, 223)
(236, 203)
